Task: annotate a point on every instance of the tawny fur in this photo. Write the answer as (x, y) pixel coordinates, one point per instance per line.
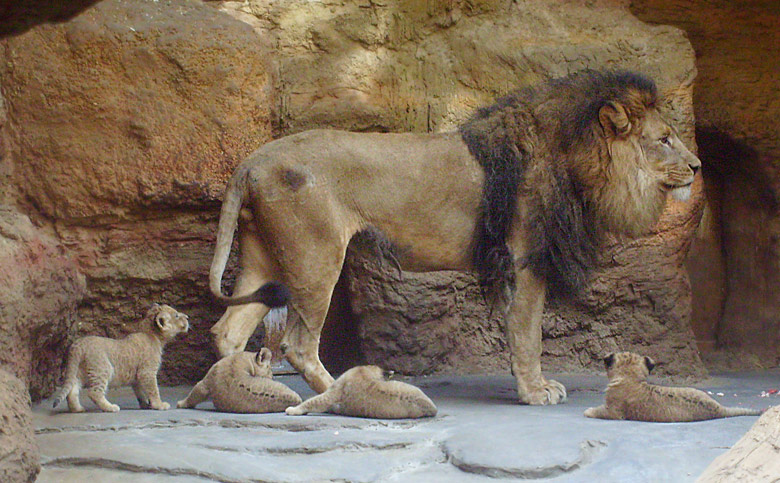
(97, 363)
(522, 194)
(630, 396)
(242, 383)
(364, 392)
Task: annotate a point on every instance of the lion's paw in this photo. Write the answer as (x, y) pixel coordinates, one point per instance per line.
(111, 408)
(293, 411)
(182, 404)
(551, 392)
(161, 407)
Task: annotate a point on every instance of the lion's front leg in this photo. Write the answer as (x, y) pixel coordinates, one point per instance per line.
(524, 336)
(300, 345)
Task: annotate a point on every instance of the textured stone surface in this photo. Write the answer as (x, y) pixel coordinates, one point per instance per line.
(479, 434)
(40, 287)
(755, 457)
(735, 261)
(18, 449)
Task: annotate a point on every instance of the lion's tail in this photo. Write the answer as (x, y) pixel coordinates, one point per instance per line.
(272, 294)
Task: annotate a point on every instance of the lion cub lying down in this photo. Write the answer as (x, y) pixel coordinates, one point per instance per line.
(96, 363)
(242, 383)
(629, 396)
(363, 391)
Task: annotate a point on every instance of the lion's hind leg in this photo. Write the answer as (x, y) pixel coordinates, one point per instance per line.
(238, 323)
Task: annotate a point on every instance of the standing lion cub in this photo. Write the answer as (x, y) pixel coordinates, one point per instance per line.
(97, 363)
(630, 396)
(242, 383)
(363, 391)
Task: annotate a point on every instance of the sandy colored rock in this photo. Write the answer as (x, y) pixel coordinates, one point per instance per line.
(755, 457)
(18, 450)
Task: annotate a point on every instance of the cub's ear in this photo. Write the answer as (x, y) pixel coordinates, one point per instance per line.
(609, 361)
(649, 363)
(161, 321)
(264, 356)
(614, 119)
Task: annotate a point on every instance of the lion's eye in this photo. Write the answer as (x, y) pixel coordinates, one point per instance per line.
(665, 141)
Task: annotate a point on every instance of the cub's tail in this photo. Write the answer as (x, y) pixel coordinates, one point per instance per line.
(730, 412)
(71, 375)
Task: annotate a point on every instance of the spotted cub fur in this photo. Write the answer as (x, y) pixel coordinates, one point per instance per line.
(242, 383)
(97, 363)
(630, 396)
(363, 391)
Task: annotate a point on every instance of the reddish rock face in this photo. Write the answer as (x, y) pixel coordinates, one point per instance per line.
(735, 259)
(20, 452)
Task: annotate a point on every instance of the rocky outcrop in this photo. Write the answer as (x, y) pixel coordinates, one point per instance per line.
(40, 287)
(755, 457)
(18, 451)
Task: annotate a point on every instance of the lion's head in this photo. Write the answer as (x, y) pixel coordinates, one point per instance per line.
(589, 153)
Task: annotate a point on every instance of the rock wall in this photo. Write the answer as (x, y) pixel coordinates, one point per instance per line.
(19, 460)
(735, 261)
(122, 121)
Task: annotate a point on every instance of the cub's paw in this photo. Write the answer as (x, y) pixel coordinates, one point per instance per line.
(551, 392)
(182, 404)
(590, 413)
(294, 411)
(161, 406)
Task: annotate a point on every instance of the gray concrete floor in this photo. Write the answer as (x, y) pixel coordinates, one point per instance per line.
(480, 434)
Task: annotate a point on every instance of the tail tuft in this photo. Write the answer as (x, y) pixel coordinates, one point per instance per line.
(273, 294)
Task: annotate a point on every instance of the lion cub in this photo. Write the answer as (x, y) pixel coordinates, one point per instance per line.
(242, 383)
(363, 391)
(97, 363)
(629, 396)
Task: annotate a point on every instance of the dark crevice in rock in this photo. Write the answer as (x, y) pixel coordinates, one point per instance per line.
(344, 447)
(588, 451)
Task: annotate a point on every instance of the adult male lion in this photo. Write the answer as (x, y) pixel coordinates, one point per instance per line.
(521, 194)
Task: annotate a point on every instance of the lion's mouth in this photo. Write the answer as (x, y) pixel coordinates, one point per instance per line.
(681, 193)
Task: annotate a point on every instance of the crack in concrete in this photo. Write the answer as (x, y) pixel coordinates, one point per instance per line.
(589, 449)
(289, 425)
(345, 447)
(102, 463)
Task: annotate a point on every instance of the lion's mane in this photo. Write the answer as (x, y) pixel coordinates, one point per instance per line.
(545, 144)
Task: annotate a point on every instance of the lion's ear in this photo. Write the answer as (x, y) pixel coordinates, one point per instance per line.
(609, 361)
(649, 363)
(614, 119)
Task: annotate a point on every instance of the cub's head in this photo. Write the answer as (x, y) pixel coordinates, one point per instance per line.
(259, 364)
(628, 366)
(644, 160)
(167, 321)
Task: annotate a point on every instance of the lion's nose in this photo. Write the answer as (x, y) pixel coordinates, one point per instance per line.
(695, 169)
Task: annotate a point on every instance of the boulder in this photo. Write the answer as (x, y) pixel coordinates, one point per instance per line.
(755, 457)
